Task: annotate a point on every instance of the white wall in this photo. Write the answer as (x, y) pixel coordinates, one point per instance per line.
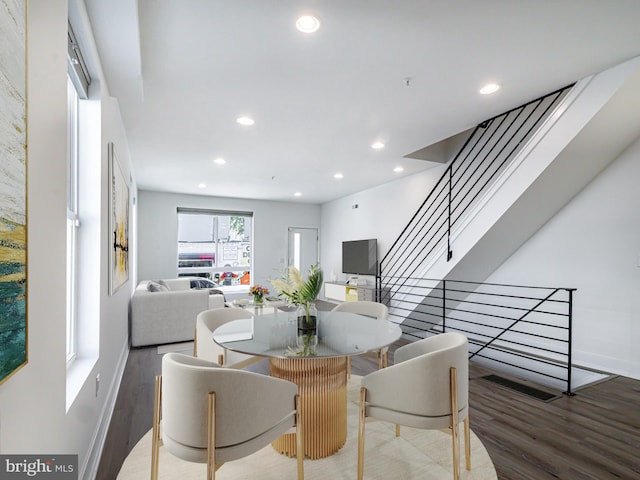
(33, 414)
(382, 213)
(158, 230)
(32, 402)
(593, 244)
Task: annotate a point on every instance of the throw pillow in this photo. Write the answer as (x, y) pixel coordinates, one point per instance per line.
(156, 287)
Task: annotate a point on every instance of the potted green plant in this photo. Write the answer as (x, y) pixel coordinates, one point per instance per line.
(302, 293)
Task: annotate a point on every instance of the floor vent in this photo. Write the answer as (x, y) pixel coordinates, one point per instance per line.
(519, 387)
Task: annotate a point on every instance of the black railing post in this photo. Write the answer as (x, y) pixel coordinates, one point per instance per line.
(570, 344)
(444, 305)
(449, 252)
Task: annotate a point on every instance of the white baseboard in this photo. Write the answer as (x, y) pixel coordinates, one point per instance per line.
(90, 469)
(625, 367)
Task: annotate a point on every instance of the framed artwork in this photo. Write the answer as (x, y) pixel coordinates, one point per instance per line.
(13, 189)
(118, 224)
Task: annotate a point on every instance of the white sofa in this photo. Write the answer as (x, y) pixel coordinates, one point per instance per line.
(165, 311)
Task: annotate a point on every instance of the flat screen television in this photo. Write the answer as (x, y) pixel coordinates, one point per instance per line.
(360, 257)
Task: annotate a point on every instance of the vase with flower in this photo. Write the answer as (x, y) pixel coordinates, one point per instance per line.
(258, 292)
(303, 293)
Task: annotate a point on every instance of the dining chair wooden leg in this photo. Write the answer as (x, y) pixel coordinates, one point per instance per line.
(467, 442)
(397, 430)
(455, 437)
(212, 465)
(299, 440)
(155, 439)
(195, 342)
(361, 422)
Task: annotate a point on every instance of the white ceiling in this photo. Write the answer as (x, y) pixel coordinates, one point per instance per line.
(183, 70)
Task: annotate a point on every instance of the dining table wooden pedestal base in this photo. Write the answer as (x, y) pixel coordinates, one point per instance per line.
(322, 385)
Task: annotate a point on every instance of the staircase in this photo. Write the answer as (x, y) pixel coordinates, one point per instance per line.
(514, 173)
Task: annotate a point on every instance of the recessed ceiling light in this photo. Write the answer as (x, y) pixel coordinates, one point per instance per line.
(338, 175)
(220, 161)
(307, 24)
(297, 194)
(377, 145)
(398, 169)
(489, 88)
(202, 185)
(245, 121)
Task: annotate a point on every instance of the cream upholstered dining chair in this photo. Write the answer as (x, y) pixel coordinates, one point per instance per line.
(207, 414)
(370, 309)
(204, 347)
(426, 388)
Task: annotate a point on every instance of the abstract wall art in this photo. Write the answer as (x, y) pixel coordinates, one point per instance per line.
(118, 223)
(13, 188)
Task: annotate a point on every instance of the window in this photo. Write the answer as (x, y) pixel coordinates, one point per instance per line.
(78, 81)
(84, 214)
(73, 222)
(215, 245)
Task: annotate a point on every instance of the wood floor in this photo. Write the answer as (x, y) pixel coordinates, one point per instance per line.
(594, 435)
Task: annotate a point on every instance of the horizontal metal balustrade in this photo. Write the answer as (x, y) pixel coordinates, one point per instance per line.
(527, 328)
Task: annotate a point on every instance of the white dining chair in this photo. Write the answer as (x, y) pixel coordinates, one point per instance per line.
(369, 309)
(426, 388)
(204, 347)
(208, 414)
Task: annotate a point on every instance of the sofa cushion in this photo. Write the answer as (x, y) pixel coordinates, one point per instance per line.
(165, 317)
(216, 301)
(176, 284)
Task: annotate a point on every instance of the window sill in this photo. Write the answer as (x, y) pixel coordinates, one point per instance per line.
(77, 374)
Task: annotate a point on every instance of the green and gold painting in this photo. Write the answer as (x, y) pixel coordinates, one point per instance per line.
(13, 188)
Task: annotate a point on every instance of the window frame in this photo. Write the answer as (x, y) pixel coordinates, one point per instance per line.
(73, 221)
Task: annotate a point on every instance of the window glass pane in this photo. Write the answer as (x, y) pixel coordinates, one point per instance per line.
(216, 246)
(296, 250)
(72, 148)
(71, 294)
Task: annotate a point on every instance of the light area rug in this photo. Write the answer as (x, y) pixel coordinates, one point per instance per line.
(416, 454)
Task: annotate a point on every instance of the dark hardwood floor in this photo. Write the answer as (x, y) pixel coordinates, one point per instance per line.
(594, 435)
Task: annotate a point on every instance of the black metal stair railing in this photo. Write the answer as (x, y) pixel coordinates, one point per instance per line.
(485, 155)
(525, 328)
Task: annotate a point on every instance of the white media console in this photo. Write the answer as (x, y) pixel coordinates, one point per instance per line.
(341, 292)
